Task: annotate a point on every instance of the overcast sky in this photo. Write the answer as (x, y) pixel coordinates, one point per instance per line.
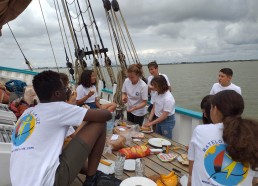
(166, 30)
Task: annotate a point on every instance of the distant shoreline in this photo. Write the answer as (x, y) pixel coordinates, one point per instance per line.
(175, 63)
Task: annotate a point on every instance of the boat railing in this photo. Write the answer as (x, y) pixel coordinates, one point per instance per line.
(18, 74)
(186, 120)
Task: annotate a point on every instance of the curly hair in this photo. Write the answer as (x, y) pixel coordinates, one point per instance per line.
(85, 79)
(239, 134)
(46, 83)
(160, 83)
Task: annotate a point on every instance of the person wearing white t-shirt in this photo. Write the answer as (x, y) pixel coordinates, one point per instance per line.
(154, 71)
(163, 108)
(224, 153)
(135, 94)
(224, 82)
(37, 157)
(87, 92)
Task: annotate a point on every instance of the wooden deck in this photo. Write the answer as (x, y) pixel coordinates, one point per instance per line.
(153, 166)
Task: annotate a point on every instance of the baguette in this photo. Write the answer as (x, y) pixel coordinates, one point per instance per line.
(105, 162)
(145, 129)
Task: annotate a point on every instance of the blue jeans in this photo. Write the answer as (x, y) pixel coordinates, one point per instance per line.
(165, 127)
(92, 105)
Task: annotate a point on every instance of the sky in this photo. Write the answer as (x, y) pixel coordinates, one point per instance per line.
(168, 31)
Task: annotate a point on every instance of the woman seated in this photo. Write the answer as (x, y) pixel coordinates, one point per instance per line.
(87, 92)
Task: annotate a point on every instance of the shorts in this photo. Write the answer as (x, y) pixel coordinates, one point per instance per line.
(71, 161)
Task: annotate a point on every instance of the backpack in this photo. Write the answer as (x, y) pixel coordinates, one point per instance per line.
(16, 86)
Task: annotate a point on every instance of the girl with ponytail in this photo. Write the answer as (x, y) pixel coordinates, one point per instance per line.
(135, 94)
(226, 152)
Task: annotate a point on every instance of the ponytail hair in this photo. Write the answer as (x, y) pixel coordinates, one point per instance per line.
(136, 68)
(240, 135)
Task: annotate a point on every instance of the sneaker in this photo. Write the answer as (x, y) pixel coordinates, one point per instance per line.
(102, 179)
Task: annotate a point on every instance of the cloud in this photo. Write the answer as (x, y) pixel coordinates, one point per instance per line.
(168, 31)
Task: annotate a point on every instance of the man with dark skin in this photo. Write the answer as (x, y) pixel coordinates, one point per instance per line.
(39, 134)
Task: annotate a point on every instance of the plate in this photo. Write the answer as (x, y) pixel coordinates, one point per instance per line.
(142, 181)
(107, 169)
(183, 180)
(146, 131)
(158, 142)
(138, 135)
(129, 165)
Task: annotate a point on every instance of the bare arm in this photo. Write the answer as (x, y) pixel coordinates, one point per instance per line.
(81, 101)
(139, 106)
(163, 116)
(97, 115)
(97, 103)
(151, 113)
(190, 172)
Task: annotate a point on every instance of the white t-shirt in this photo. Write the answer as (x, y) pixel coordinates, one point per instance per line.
(37, 142)
(82, 92)
(149, 84)
(217, 88)
(136, 94)
(212, 164)
(164, 102)
(70, 131)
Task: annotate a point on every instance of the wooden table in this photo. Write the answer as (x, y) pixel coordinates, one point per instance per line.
(153, 166)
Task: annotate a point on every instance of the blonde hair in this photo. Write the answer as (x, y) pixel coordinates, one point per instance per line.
(136, 68)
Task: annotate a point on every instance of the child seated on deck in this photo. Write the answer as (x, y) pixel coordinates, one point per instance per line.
(87, 92)
(37, 157)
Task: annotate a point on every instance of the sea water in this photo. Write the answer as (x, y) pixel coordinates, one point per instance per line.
(191, 82)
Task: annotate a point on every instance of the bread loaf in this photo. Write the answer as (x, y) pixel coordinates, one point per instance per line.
(116, 142)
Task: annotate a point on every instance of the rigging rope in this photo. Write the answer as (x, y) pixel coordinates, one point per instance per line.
(80, 27)
(70, 70)
(26, 61)
(48, 35)
(129, 36)
(106, 58)
(65, 32)
(79, 62)
(123, 38)
(112, 43)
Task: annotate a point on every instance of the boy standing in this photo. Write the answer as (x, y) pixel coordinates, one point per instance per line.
(154, 71)
(224, 82)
